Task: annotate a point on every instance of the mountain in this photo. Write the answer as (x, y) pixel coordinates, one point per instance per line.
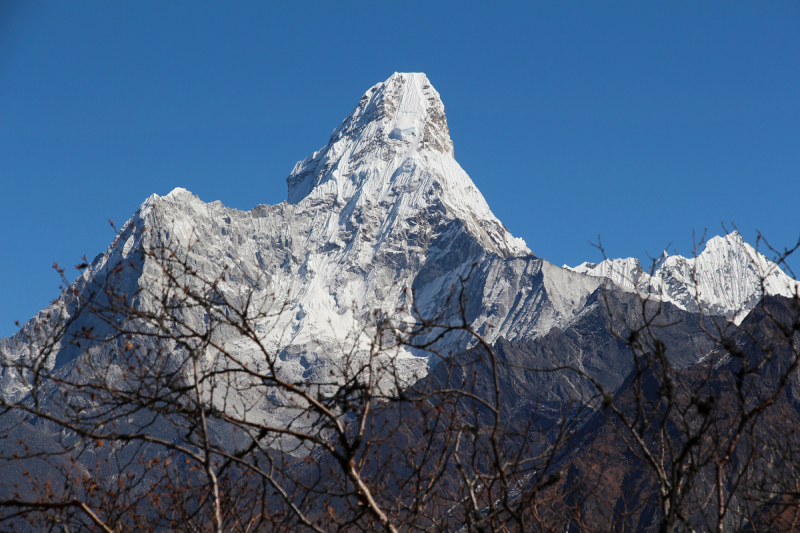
(381, 219)
(766, 450)
(256, 337)
(724, 279)
(586, 343)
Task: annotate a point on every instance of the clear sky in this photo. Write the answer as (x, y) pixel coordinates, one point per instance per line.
(642, 122)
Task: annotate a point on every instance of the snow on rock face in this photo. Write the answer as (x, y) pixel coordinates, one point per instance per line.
(404, 108)
(394, 151)
(620, 271)
(725, 278)
(382, 217)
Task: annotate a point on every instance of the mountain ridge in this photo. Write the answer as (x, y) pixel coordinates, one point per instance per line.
(724, 278)
(380, 220)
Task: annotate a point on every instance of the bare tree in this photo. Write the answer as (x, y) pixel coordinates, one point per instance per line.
(704, 436)
(153, 420)
(157, 422)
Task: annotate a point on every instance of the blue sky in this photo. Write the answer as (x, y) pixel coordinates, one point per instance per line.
(642, 122)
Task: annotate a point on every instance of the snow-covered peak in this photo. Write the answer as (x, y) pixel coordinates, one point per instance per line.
(625, 272)
(724, 279)
(393, 118)
(727, 277)
(661, 261)
(177, 191)
(728, 242)
(392, 156)
(405, 107)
